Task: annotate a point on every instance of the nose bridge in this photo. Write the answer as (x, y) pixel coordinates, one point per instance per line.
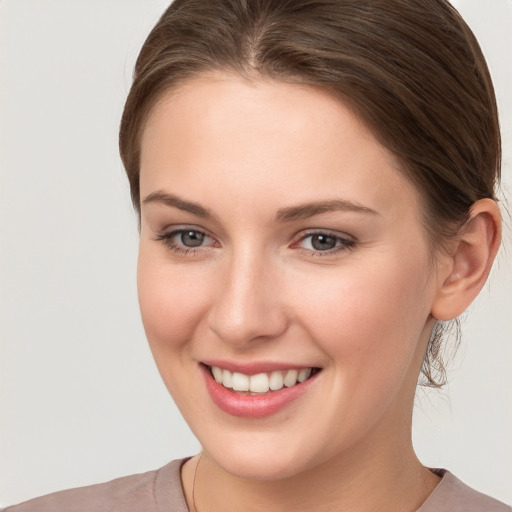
(247, 306)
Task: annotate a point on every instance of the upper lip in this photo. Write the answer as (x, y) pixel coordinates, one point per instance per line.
(254, 367)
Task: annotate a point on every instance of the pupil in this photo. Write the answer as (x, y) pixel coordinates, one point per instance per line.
(323, 242)
(192, 238)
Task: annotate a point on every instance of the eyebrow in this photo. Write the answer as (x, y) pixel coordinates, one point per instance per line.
(306, 210)
(291, 213)
(171, 200)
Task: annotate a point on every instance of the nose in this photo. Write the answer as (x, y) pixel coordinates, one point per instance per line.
(247, 306)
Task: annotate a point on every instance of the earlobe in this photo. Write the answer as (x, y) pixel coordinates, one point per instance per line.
(474, 251)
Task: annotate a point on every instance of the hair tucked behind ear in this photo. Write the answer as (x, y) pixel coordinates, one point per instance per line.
(411, 70)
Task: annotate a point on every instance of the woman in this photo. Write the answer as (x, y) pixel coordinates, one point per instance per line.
(315, 184)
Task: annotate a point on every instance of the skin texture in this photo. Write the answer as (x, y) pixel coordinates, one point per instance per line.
(257, 290)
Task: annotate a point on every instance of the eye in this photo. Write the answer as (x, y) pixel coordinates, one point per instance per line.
(191, 238)
(321, 242)
(184, 241)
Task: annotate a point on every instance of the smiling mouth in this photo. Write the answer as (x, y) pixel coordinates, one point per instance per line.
(261, 383)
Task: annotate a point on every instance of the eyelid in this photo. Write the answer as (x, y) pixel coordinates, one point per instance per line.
(167, 235)
(348, 241)
(181, 228)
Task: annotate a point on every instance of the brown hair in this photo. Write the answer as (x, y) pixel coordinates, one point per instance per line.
(411, 70)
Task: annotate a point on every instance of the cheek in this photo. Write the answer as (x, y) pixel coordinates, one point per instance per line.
(370, 324)
(172, 300)
(367, 320)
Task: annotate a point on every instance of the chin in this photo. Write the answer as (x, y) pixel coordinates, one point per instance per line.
(260, 462)
(261, 468)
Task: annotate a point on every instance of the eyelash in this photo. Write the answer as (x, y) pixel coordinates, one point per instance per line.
(182, 250)
(342, 243)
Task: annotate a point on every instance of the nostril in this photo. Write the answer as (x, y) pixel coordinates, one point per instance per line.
(248, 328)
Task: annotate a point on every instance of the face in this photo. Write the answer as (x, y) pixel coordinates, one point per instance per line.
(282, 254)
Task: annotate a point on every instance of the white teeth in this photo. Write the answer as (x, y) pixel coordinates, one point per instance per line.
(217, 374)
(227, 379)
(258, 383)
(304, 374)
(276, 381)
(291, 378)
(261, 382)
(240, 382)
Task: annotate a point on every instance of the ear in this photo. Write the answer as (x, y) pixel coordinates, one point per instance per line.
(469, 263)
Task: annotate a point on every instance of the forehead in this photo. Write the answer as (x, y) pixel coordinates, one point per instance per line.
(279, 139)
(222, 103)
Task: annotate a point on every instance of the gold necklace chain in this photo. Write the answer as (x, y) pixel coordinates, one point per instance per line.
(194, 483)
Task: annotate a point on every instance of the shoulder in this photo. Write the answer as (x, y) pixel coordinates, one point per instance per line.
(153, 491)
(453, 495)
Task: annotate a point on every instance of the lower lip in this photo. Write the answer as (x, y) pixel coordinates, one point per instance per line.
(253, 406)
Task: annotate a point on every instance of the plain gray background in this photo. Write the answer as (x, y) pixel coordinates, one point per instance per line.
(81, 400)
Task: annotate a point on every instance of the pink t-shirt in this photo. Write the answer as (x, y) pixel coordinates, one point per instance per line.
(161, 491)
